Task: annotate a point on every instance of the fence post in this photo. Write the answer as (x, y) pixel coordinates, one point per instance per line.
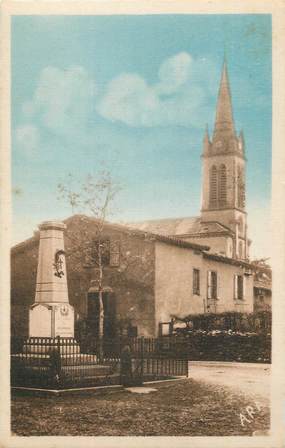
(142, 357)
(188, 368)
(55, 362)
(126, 366)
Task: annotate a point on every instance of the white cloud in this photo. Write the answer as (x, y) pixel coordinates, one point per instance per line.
(179, 97)
(174, 72)
(28, 137)
(63, 99)
(66, 100)
(129, 99)
(63, 103)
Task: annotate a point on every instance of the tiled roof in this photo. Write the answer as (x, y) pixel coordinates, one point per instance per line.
(233, 261)
(123, 228)
(19, 247)
(155, 236)
(190, 226)
(146, 234)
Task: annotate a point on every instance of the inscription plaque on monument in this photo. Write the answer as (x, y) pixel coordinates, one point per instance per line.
(64, 321)
(40, 321)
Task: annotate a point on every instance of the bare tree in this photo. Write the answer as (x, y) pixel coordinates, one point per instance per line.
(95, 196)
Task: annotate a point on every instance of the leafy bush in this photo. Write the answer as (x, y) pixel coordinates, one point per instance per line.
(258, 322)
(216, 345)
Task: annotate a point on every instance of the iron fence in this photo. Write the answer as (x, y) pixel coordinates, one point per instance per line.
(64, 362)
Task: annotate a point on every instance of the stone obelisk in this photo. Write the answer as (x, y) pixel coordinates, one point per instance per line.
(51, 315)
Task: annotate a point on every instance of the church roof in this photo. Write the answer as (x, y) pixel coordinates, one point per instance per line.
(131, 230)
(224, 140)
(185, 224)
(182, 227)
(224, 115)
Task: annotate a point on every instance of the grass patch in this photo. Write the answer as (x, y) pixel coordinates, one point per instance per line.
(182, 408)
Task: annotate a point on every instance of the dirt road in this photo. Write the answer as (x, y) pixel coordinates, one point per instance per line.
(251, 379)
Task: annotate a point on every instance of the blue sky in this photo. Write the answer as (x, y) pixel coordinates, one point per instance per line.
(135, 93)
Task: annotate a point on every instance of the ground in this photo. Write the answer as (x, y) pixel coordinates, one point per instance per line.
(249, 378)
(199, 406)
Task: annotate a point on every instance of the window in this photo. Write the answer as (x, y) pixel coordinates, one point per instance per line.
(212, 285)
(213, 187)
(108, 250)
(101, 249)
(196, 281)
(222, 186)
(115, 253)
(238, 287)
(218, 186)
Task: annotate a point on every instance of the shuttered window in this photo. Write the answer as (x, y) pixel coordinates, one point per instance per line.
(238, 287)
(115, 253)
(222, 186)
(101, 248)
(212, 285)
(213, 187)
(196, 281)
(109, 250)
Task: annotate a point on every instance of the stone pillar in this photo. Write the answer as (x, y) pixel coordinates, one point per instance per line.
(51, 315)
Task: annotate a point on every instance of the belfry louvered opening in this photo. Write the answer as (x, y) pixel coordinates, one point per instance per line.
(218, 187)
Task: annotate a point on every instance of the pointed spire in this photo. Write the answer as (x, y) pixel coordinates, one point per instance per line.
(224, 115)
(207, 142)
(206, 135)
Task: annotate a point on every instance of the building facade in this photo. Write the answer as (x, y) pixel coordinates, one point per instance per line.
(147, 279)
(262, 281)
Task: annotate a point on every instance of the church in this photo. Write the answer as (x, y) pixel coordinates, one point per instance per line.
(157, 270)
(223, 221)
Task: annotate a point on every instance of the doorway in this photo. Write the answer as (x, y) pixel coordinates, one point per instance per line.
(93, 308)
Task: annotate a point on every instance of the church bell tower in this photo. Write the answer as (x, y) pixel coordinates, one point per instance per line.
(223, 193)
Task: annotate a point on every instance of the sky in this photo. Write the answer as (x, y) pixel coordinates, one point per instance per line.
(133, 94)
